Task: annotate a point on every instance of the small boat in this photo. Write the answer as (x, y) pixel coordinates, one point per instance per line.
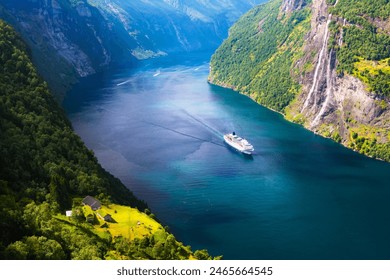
(238, 143)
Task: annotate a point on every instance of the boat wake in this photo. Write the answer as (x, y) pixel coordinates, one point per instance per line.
(203, 123)
(214, 131)
(182, 133)
(123, 83)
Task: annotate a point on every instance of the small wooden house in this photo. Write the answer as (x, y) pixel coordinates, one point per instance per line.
(92, 202)
(107, 218)
(104, 216)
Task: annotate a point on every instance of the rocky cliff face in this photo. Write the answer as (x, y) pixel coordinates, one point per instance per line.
(323, 63)
(67, 39)
(161, 27)
(289, 6)
(337, 106)
(71, 39)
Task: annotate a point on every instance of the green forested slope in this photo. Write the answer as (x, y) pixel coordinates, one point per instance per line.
(45, 169)
(365, 52)
(257, 58)
(68, 39)
(266, 57)
(364, 27)
(38, 146)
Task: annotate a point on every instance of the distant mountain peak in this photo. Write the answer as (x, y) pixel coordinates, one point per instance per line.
(72, 39)
(289, 6)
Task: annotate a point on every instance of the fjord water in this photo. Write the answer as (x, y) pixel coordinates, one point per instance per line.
(159, 129)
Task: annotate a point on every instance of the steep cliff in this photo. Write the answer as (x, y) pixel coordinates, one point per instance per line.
(289, 6)
(334, 76)
(68, 39)
(71, 39)
(45, 169)
(161, 27)
(337, 99)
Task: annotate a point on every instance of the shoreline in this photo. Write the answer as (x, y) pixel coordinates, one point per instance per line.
(210, 81)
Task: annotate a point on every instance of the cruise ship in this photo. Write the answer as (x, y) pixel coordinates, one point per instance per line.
(238, 143)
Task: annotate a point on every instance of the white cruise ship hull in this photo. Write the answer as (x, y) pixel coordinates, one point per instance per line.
(239, 144)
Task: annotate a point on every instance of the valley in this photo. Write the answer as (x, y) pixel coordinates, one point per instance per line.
(128, 101)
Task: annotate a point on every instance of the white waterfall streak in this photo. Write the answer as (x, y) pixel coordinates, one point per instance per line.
(328, 92)
(319, 64)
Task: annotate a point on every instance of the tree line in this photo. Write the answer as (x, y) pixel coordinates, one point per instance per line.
(258, 56)
(45, 169)
(363, 40)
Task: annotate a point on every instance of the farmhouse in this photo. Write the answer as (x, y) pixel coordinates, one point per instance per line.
(105, 217)
(92, 202)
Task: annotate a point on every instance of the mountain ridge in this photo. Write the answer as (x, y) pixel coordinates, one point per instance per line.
(331, 80)
(46, 171)
(67, 40)
(72, 39)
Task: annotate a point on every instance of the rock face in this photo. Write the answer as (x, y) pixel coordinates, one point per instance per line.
(315, 67)
(73, 39)
(318, 86)
(292, 5)
(67, 40)
(161, 27)
(332, 105)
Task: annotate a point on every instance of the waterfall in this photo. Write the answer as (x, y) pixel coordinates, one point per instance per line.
(316, 77)
(328, 92)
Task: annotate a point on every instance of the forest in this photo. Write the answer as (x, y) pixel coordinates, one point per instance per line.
(262, 55)
(45, 169)
(365, 38)
(258, 56)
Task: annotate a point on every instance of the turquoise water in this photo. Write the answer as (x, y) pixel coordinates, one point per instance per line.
(159, 129)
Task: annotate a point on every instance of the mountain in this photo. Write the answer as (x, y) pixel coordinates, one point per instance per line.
(70, 39)
(324, 64)
(161, 27)
(45, 170)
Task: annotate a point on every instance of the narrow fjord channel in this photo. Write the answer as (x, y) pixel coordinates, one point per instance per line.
(159, 129)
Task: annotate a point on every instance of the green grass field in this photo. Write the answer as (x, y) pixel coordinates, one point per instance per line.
(147, 236)
(128, 222)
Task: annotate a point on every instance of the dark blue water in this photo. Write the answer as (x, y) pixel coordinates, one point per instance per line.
(159, 129)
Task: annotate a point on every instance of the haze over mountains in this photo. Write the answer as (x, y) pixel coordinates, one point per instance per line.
(45, 168)
(76, 38)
